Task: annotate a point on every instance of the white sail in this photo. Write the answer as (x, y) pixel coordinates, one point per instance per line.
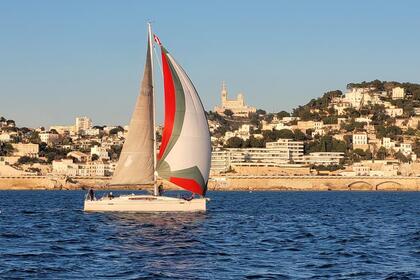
(136, 163)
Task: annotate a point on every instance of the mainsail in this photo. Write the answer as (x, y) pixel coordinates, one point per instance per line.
(136, 163)
(185, 151)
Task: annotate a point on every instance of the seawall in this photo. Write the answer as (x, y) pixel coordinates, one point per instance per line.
(263, 183)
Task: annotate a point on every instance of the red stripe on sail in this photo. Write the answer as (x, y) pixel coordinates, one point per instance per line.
(188, 184)
(170, 104)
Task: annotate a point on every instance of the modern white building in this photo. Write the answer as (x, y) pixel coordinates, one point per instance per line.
(394, 111)
(360, 140)
(398, 93)
(29, 150)
(82, 124)
(48, 137)
(101, 152)
(323, 158)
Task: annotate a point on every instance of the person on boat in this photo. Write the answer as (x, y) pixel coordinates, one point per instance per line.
(160, 190)
(189, 198)
(91, 194)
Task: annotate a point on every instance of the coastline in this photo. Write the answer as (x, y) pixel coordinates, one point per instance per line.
(228, 183)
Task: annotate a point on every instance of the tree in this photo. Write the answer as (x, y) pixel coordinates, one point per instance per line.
(381, 153)
(261, 112)
(34, 138)
(256, 142)
(116, 130)
(6, 149)
(234, 142)
(299, 135)
(95, 157)
(282, 114)
(401, 157)
(228, 113)
(27, 160)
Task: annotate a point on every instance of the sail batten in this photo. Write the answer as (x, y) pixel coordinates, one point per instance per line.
(136, 163)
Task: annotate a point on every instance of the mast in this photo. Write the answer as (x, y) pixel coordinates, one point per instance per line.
(155, 188)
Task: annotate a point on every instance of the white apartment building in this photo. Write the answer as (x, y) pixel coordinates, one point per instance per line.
(82, 124)
(406, 149)
(90, 169)
(387, 143)
(92, 132)
(323, 158)
(49, 137)
(64, 129)
(5, 137)
(398, 93)
(360, 140)
(29, 150)
(101, 152)
(394, 111)
(282, 152)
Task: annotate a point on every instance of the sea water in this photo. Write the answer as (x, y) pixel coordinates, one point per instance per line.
(258, 235)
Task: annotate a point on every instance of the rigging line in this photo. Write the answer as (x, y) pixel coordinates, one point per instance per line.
(157, 59)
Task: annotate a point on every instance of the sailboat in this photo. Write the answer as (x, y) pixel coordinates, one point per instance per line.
(185, 151)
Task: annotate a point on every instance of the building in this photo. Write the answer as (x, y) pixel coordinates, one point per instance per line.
(64, 129)
(304, 125)
(280, 153)
(398, 93)
(360, 141)
(387, 143)
(101, 152)
(28, 150)
(79, 156)
(359, 97)
(90, 169)
(48, 137)
(394, 111)
(323, 158)
(406, 149)
(237, 106)
(82, 124)
(5, 137)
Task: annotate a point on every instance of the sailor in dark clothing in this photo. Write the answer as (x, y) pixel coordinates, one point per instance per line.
(91, 194)
(160, 189)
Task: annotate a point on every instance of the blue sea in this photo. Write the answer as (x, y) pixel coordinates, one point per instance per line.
(258, 235)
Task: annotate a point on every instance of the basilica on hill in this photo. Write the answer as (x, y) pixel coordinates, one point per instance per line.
(237, 106)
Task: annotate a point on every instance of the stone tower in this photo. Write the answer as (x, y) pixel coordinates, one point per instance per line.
(224, 93)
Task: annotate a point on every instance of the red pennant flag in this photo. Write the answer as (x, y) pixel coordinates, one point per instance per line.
(156, 38)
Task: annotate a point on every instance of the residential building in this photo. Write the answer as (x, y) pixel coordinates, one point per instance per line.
(323, 158)
(64, 129)
(394, 111)
(398, 93)
(82, 124)
(48, 137)
(29, 150)
(101, 152)
(387, 143)
(79, 156)
(405, 148)
(5, 137)
(360, 140)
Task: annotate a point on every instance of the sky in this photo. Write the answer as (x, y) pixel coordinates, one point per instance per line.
(62, 59)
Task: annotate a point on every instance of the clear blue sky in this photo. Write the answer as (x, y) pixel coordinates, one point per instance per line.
(60, 59)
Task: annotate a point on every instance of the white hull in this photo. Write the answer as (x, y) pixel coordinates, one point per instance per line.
(145, 203)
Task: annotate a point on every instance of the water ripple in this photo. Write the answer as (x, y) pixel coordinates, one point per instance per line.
(267, 235)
